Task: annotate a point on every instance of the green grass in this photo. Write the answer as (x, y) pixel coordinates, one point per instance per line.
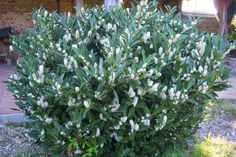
(214, 109)
(210, 147)
(213, 147)
(14, 125)
(227, 106)
(29, 154)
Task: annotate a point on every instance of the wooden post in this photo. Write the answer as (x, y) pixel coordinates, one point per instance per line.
(222, 7)
(109, 4)
(79, 5)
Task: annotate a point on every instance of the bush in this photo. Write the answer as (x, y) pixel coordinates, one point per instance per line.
(232, 35)
(129, 82)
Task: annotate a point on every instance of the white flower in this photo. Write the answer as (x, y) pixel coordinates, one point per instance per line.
(70, 63)
(131, 122)
(163, 124)
(109, 27)
(41, 70)
(205, 72)
(63, 142)
(117, 127)
(160, 50)
(42, 132)
(16, 77)
(78, 126)
(77, 89)
(131, 92)
(67, 37)
(143, 2)
(150, 82)
(69, 14)
(62, 133)
(154, 88)
(89, 33)
(136, 59)
(45, 13)
(11, 48)
(71, 101)
(135, 101)
(200, 69)
(48, 120)
(141, 92)
(74, 46)
(42, 103)
(86, 104)
(68, 124)
(151, 46)
(118, 50)
(178, 94)
(164, 89)
(97, 132)
(146, 121)
(78, 151)
(146, 36)
(77, 36)
(117, 138)
(123, 119)
(171, 92)
(115, 106)
(136, 127)
(201, 46)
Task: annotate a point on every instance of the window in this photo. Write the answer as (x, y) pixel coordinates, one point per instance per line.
(204, 8)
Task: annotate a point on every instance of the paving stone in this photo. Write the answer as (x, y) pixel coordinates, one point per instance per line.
(7, 102)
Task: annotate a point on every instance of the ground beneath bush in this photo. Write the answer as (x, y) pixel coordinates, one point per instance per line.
(13, 142)
(219, 123)
(223, 128)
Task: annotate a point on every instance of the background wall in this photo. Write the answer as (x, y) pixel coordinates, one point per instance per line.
(209, 24)
(17, 13)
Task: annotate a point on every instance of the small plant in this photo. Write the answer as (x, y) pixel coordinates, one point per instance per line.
(232, 35)
(214, 147)
(125, 82)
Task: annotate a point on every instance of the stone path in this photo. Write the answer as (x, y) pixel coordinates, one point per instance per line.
(230, 93)
(7, 103)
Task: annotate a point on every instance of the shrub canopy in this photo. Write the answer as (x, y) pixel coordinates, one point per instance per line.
(125, 82)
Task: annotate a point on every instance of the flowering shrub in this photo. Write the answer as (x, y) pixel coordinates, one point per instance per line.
(129, 82)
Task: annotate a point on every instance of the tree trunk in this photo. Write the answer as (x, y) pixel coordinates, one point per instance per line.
(222, 6)
(79, 5)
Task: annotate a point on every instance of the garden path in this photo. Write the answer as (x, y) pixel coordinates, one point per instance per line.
(230, 93)
(7, 103)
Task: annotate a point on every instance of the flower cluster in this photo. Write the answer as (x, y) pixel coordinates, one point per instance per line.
(124, 82)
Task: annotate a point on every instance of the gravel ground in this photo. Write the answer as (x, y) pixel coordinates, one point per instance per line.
(13, 141)
(224, 128)
(222, 125)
